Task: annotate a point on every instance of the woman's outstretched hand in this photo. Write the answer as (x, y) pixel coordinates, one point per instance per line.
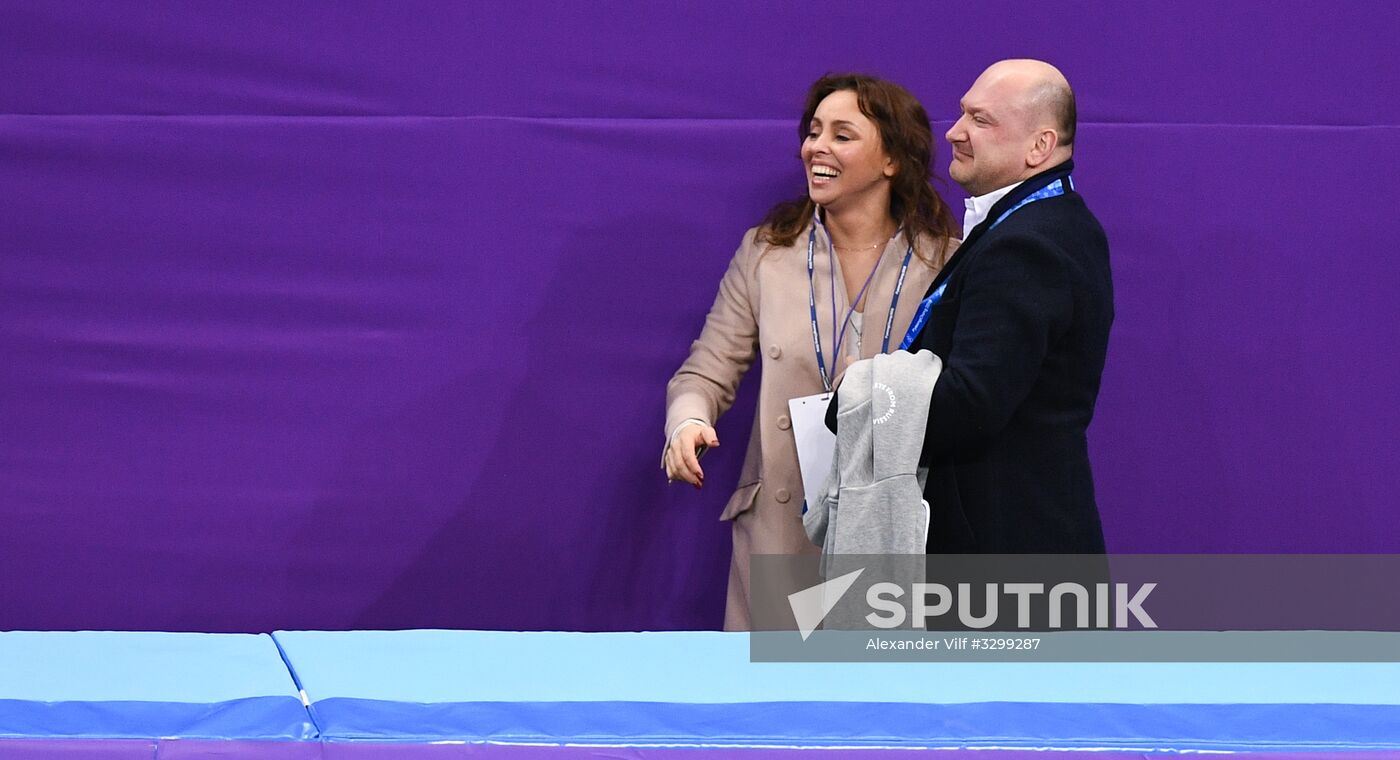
(683, 455)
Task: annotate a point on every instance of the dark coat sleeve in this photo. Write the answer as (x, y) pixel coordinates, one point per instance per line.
(1014, 302)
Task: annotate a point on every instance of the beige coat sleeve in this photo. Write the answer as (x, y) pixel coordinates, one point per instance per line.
(704, 386)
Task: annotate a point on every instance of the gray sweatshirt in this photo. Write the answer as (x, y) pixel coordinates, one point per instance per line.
(872, 502)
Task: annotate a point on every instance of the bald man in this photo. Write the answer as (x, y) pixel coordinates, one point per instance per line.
(1020, 316)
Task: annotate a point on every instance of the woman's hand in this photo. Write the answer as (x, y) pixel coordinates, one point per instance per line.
(683, 455)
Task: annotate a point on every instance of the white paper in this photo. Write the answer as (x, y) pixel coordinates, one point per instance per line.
(815, 444)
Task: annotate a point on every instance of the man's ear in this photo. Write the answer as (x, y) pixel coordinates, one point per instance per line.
(1046, 141)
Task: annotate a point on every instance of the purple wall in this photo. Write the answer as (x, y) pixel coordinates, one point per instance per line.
(332, 317)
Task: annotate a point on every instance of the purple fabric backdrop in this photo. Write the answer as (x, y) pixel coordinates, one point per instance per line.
(360, 315)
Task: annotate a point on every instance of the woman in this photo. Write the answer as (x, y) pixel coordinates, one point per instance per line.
(797, 292)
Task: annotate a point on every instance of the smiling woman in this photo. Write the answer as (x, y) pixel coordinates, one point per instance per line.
(869, 219)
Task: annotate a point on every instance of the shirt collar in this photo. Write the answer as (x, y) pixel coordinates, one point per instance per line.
(978, 206)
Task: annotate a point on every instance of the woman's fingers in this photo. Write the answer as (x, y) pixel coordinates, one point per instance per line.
(690, 463)
(681, 456)
(711, 439)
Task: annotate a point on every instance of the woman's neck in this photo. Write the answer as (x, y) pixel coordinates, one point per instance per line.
(856, 229)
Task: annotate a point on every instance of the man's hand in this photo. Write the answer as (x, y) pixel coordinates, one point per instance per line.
(683, 455)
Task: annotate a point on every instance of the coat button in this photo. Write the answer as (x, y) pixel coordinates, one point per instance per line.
(774, 351)
(782, 496)
(783, 422)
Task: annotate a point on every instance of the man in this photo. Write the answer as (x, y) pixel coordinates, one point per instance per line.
(1020, 315)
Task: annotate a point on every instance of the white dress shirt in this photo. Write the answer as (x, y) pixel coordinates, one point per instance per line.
(978, 207)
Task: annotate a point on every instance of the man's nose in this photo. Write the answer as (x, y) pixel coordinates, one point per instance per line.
(952, 134)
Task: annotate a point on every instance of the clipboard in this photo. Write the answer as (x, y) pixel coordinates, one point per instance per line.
(815, 444)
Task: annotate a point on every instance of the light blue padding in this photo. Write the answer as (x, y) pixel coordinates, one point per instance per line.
(98, 666)
(708, 667)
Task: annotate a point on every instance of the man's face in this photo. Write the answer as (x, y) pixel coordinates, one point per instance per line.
(992, 137)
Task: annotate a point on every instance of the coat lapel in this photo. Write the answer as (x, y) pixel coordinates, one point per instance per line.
(1012, 198)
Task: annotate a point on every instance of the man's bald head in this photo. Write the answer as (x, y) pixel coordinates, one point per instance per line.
(1018, 118)
(1039, 91)
(1048, 97)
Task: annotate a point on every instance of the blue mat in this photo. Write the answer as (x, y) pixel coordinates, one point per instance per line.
(89, 684)
(699, 689)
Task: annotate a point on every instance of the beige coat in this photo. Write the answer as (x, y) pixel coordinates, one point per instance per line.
(762, 309)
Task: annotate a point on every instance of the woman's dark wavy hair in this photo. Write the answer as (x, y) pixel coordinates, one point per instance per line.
(907, 138)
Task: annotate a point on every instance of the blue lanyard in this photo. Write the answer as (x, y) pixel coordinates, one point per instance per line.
(926, 306)
(812, 302)
(1049, 191)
